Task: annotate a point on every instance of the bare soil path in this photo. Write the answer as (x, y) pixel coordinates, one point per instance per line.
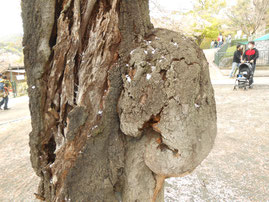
(18, 181)
(237, 169)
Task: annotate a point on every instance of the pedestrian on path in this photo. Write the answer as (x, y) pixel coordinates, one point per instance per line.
(251, 55)
(216, 44)
(237, 59)
(220, 40)
(6, 85)
(212, 45)
(2, 86)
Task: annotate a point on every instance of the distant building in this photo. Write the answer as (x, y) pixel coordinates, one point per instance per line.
(11, 66)
(15, 72)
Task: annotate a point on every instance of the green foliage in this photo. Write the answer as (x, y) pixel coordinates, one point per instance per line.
(248, 15)
(12, 47)
(206, 24)
(238, 41)
(206, 43)
(22, 88)
(208, 6)
(230, 51)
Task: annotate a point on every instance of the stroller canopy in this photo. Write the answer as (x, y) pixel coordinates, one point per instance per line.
(245, 69)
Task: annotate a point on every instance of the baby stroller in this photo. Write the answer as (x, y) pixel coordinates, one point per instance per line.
(244, 76)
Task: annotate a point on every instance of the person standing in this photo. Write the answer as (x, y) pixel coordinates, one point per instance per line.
(220, 40)
(6, 83)
(216, 44)
(212, 44)
(251, 55)
(2, 85)
(236, 60)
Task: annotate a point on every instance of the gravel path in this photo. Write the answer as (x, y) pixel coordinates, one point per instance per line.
(18, 180)
(237, 169)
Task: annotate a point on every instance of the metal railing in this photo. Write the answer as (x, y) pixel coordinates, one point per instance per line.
(221, 53)
(263, 59)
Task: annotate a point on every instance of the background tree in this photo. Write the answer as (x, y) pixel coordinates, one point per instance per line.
(205, 29)
(205, 19)
(165, 19)
(248, 15)
(202, 21)
(116, 105)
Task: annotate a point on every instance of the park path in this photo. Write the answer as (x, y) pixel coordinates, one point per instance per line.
(18, 181)
(215, 72)
(237, 169)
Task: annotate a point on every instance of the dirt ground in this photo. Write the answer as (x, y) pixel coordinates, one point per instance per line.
(237, 169)
(17, 178)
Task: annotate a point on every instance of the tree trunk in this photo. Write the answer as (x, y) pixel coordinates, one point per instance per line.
(77, 58)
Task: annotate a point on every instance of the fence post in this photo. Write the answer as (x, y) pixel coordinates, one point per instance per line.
(14, 88)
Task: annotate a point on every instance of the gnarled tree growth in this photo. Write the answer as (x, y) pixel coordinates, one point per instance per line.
(117, 106)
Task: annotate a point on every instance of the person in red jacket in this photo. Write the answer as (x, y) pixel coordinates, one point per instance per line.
(251, 55)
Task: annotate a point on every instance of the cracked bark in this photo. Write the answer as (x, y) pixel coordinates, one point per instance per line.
(76, 56)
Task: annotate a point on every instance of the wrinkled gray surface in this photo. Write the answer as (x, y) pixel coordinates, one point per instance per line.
(170, 80)
(140, 182)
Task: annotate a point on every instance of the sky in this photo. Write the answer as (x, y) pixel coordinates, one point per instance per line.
(11, 22)
(10, 17)
(183, 4)
(175, 4)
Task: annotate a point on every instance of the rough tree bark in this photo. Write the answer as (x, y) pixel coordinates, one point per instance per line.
(117, 106)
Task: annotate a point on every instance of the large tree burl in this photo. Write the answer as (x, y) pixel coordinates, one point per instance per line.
(168, 97)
